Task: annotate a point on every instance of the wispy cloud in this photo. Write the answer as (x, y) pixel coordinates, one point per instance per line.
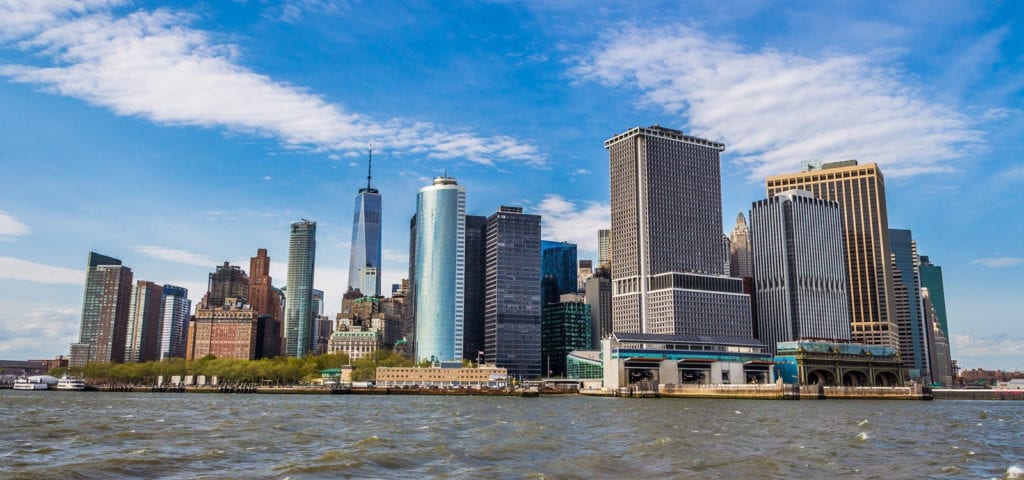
(564, 221)
(11, 227)
(998, 262)
(27, 330)
(996, 351)
(153, 65)
(776, 108)
(18, 269)
(19, 18)
(176, 256)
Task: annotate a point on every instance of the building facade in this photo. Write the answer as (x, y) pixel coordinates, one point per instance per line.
(860, 192)
(910, 317)
(740, 263)
(473, 310)
(105, 305)
(142, 339)
(799, 269)
(298, 318)
(599, 297)
(666, 238)
(559, 260)
(931, 278)
(226, 331)
(604, 249)
(175, 310)
(366, 239)
(355, 343)
(439, 272)
(565, 327)
(227, 281)
(512, 300)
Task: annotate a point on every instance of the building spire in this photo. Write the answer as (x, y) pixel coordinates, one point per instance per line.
(369, 168)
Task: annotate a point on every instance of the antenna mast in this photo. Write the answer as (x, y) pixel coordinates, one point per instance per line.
(369, 168)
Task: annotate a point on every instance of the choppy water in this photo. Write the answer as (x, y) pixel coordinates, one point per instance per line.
(149, 435)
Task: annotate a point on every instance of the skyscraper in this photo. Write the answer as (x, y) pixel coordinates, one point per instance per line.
(366, 238)
(910, 319)
(261, 289)
(108, 287)
(440, 243)
(298, 316)
(799, 269)
(175, 308)
(666, 238)
(583, 273)
(512, 302)
(473, 312)
(142, 339)
(931, 278)
(228, 281)
(739, 249)
(860, 192)
(565, 327)
(604, 251)
(599, 297)
(559, 259)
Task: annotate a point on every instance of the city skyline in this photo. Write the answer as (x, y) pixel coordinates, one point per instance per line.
(520, 101)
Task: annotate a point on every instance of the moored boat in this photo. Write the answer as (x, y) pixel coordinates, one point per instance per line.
(70, 383)
(24, 383)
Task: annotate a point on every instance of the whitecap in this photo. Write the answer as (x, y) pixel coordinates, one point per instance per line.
(1014, 472)
(862, 423)
(862, 436)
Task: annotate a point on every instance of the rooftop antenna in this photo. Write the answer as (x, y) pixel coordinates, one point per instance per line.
(369, 168)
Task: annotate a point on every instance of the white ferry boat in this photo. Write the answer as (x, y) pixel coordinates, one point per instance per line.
(70, 383)
(30, 384)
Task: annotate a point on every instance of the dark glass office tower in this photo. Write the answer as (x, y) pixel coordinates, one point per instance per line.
(512, 302)
(559, 260)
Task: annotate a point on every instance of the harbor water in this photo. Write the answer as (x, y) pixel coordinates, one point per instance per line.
(99, 435)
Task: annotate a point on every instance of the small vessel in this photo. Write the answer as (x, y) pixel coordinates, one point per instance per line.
(70, 383)
(24, 383)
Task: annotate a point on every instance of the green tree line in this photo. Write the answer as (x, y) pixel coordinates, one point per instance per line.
(282, 370)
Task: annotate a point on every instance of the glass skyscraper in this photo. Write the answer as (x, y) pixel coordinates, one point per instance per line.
(366, 239)
(108, 287)
(440, 255)
(559, 260)
(298, 316)
(910, 318)
(175, 311)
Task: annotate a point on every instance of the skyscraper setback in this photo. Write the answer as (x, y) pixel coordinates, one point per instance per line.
(666, 238)
(298, 317)
(439, 240)
(366, 239)
(860, 192)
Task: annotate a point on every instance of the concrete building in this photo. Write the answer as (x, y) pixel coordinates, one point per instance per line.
(442, 377)
(512, 299)
(860, 192)
(142, 338)
(645, 361)
(175, 310)
(604, 248)
(584, 271)
(439, 272)
(230, 330)
(298, 317)
(666, 238)
(227, 281)
(366, 239)
(355, 343)
(105, 304)
(799, 269)
(740, 263)
(558, 259)
(599, 297)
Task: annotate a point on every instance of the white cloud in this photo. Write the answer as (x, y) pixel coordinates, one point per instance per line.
(998, 262)
(775, 109)
(19, 18)
(175, 256)
(18, 269)
(990, 352)
(11, 227)
(37, 331)
(152, 65)
(563, 221)
(267, 178)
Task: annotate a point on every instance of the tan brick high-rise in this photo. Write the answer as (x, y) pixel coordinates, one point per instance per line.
(860, 191)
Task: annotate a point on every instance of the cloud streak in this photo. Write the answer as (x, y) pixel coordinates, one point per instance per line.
(998, 262)
(153, 65)
(11, 227)
(176, 256)
(24, 270)
(775, 109)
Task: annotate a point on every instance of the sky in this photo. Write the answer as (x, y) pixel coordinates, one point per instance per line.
(176, 136)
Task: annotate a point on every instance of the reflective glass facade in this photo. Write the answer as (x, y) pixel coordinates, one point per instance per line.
(298, 315)
(175, 310)
(559, 260)
(366, 241)
(440, 253)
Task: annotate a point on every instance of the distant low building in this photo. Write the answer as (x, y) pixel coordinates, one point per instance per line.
(355, 343)
(849, 364)
(442, 377)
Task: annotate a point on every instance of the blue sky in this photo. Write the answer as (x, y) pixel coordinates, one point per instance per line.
(176, 136)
